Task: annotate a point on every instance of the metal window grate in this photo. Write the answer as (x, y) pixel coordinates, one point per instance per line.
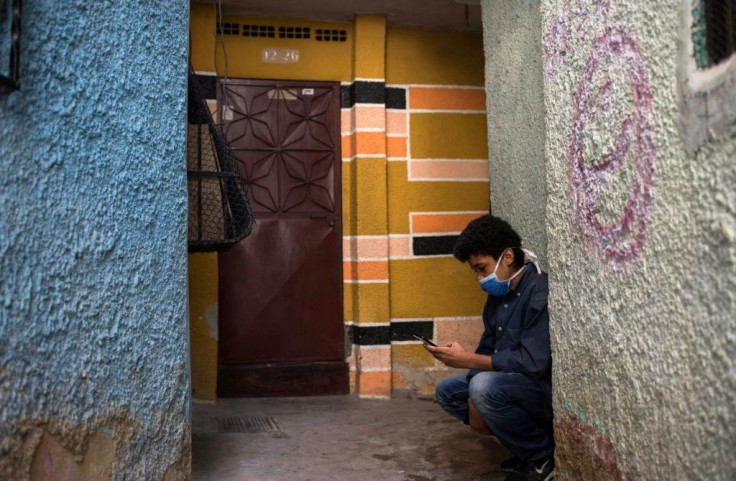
(237, 424)
(330, 35)
(714, 31)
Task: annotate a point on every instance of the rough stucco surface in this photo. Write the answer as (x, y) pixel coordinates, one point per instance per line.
(641, 249)
(515, 105)
(93, 326)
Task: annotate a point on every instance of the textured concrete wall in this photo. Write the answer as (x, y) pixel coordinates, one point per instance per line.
(94, 377)
(515, 99)
(641, 252)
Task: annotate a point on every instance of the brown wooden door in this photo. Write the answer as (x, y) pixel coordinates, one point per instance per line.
(281, 328)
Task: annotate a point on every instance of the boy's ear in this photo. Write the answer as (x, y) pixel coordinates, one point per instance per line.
(508, 257)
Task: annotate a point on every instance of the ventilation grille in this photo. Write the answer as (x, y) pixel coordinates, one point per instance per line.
(328, 35)
(228, 28)
(262, 31)
(295, 32)
(237, 424)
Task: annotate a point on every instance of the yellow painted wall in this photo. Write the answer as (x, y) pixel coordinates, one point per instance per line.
(318, 61)
(448, 136)
(203, 324)
(435, 287)
(419, 56)
(378, 196)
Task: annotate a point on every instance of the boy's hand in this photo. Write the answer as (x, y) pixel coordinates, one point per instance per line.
(451, 354)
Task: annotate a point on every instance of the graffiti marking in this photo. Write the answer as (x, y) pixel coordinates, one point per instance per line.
(622, 239)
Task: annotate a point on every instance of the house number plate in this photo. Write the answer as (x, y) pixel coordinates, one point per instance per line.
(279, 55)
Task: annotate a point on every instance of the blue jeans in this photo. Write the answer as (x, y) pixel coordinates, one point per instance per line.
(517, 409)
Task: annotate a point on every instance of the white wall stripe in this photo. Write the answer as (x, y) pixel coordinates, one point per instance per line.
(364, 156)
(415, 256)
(360, 259)
(445, 111)
(363, 129)
(411, 319)
(357, 237)
(459, 318)
(460, 87)
(436, 86)
(372, 281)
(459, 212)
(449, 179)
(368, 324)
(474, 161)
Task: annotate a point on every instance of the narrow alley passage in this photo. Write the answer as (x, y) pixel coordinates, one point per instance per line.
(336, 438)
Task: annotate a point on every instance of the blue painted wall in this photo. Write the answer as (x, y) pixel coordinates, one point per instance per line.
(93, 299)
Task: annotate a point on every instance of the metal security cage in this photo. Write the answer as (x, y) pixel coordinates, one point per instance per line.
(219, 212)
(714, 31)
(10, 15)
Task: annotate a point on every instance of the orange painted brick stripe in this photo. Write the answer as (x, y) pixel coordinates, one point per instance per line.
(438, 98)
(396, 122)
(365, 270)
(370, 143)
(369, 117)
(449, 170)
(374, 383)
(374, 357)
(360, 247)
(360, 143)
(396, 147)
(346, 120)
(400, 246)
(347, 146)
(363, 117)
(440, 222)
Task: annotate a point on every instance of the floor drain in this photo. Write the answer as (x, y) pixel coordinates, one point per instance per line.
(237, 424)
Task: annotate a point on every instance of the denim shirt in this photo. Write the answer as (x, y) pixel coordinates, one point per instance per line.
(516, 334)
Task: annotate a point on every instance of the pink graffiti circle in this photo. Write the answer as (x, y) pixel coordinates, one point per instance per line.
(622, 239)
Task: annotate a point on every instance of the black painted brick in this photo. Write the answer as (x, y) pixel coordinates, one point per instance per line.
(433, 245)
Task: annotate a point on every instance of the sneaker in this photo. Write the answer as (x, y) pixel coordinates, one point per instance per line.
(512, 464)
(542, 470)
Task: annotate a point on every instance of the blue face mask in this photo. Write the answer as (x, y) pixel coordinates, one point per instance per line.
(493, 286)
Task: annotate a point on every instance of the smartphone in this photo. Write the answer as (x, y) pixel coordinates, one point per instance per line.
(424, 340)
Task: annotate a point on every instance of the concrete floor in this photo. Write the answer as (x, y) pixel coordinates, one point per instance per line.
(340, 438)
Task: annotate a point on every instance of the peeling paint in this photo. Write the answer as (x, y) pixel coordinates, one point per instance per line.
(582, 452)
(211, 315)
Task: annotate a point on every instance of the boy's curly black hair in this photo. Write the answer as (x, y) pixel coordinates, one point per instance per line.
(488, 235)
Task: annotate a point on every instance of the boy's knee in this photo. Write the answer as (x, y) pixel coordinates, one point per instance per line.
(486, 387)
(444, 390)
